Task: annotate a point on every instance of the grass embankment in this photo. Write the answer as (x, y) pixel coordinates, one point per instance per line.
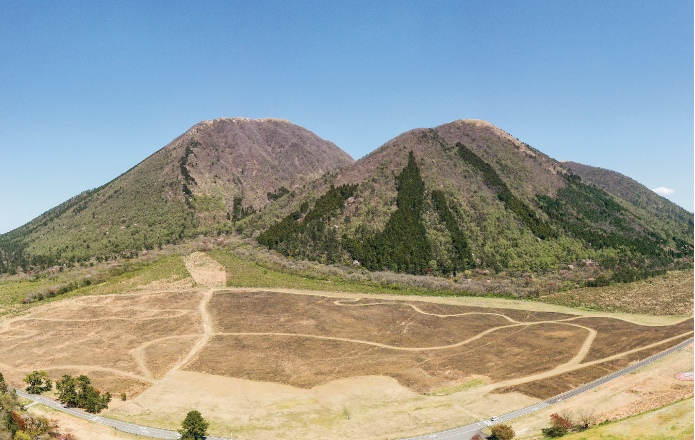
(138, 277)
(243, 273)
(671, 422)
(124, 277)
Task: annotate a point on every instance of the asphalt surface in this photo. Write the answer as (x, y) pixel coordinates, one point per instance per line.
(460, 433)
(121, 426)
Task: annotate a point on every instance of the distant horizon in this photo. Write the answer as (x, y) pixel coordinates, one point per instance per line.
(88, 91)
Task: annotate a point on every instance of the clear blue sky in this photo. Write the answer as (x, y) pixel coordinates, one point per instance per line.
(89, 89)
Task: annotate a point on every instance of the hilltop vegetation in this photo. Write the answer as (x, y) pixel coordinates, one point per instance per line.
(422, 205)
(462, 196)
(216, 173)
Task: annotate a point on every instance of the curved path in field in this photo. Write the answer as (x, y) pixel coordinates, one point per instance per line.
(207, 272)
(460, 433)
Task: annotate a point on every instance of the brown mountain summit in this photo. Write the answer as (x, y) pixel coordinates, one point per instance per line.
(216, 171)
(245, 158)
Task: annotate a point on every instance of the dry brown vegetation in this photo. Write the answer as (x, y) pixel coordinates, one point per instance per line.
(670, 294)
(305, 362)
(140, 343)
(102, 334)
(553, 386)
(617, 336)
(307, 340)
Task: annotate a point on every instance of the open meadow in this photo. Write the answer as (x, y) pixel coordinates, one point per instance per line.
(294, 363)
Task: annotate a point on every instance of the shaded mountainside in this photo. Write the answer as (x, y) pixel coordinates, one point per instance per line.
(464, 195)
(214, 173)
(633, 192)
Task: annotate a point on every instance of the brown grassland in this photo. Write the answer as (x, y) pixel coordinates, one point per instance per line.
(670, 294)
(441, 362)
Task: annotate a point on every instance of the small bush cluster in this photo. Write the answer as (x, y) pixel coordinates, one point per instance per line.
(56, 291)
(561, 425)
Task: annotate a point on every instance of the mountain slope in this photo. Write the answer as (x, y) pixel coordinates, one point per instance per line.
(216, 171)
(486, 200)
(636, 194)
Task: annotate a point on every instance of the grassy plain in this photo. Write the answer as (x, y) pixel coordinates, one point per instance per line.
(322, 358)
(671, 422)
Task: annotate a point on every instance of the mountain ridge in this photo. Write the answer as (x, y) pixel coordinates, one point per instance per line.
(196, 181)
(486, 200)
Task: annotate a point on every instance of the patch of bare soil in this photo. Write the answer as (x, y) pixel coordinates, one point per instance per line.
(357, 408)
(205, 270)
(80, 428)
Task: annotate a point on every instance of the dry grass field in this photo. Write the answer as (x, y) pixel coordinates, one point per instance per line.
(670, 294)
(431, 363)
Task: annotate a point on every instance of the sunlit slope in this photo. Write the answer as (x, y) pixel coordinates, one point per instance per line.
(460, 196)
(215, 172)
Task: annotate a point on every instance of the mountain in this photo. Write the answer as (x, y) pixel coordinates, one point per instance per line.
(460, 196)
(216, 172)
(633, 192)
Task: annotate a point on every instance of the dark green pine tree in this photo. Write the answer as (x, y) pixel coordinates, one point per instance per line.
(194, 426)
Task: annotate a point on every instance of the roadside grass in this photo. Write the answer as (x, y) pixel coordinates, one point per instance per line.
(670, 422)
(467, 385)
(669, 294)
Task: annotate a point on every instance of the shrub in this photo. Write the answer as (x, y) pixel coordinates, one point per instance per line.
(502, 432)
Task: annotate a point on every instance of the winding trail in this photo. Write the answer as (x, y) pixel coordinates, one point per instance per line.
(207, 272)
(212, 274)
(207, 328)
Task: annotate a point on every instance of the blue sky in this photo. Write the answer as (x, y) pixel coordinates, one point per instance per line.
(89, 89)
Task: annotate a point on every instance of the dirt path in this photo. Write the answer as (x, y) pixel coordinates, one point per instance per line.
(569, 366)
(80, 367)
(110, 318)
(417, 309)
(205, 270)
(139, 355)
(496, 303)
(207, 328)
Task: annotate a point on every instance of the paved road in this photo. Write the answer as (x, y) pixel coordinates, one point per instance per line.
(121, 426)
(460, 433)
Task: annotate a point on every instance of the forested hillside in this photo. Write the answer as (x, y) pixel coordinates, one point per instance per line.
(458, 197)
(467, 195)
(217, 172)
